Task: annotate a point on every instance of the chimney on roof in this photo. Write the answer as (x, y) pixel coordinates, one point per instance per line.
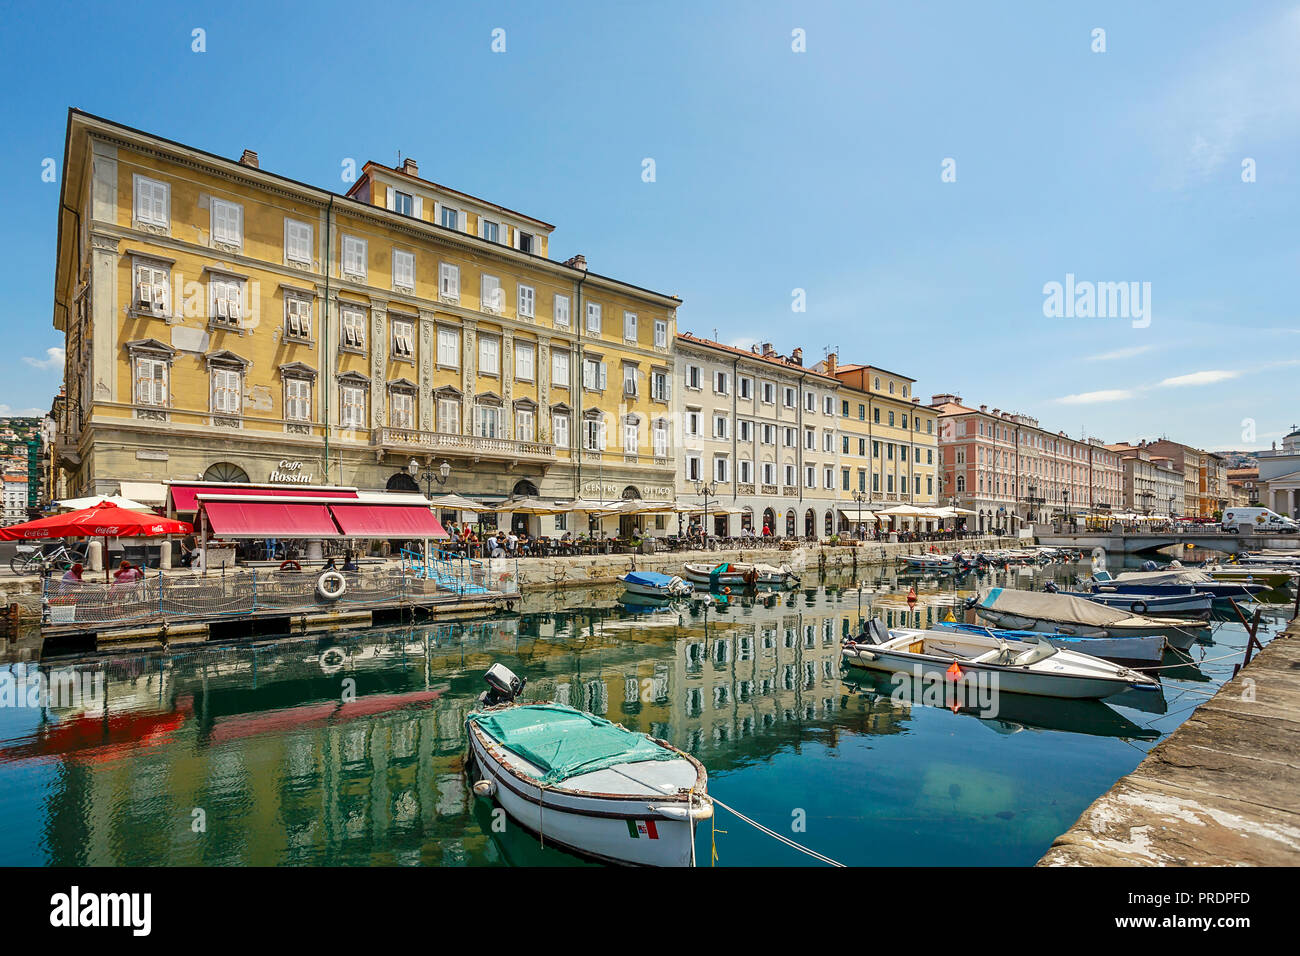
(249, 159)
(984, 408)
(577, 262)
(411, 167)
(768, 350)
(832, 363)
(797, 357)
(754, 348)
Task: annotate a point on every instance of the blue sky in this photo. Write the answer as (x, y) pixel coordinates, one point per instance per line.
(775, 170)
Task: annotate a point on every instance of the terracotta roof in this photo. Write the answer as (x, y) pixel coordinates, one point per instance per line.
(776, 360)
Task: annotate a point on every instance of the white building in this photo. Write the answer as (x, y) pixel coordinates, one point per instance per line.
(15, 499)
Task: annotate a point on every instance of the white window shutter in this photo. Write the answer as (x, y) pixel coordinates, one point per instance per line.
(437, 212)
(480, 227)
(419, 207)
(515, 243)
(463, 219)
(603, 379)
(391, 198)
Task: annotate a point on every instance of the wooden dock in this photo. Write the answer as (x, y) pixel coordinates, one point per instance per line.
(1222, 790)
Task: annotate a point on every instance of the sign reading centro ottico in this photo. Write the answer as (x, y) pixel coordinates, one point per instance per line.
(290, 472)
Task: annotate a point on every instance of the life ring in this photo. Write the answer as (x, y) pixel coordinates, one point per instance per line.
(331, 586)
(332, 659)
(1138, 607)
(290, 565)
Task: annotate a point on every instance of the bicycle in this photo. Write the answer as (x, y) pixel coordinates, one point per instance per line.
(37, 561)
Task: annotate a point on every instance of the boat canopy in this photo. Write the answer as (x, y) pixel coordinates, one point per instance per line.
(564, 742)
(1044, 606)
(651, 579)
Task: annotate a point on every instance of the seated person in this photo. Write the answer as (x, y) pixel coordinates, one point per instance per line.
(350, 562)
(125, 573)
(73, 575)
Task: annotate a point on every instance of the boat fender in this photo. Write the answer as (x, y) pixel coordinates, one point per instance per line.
(1138, 607)
(331, 585)
(485, 788)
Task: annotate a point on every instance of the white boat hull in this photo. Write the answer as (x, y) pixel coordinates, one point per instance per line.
(1063, 678)
(647, 590)
(598, 826)
(1181, 637)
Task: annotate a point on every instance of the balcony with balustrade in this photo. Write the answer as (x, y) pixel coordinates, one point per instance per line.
(473, 447)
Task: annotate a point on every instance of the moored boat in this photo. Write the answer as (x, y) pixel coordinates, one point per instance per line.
(654, 584)
(1043, 611)
(1143, 648)
(584, 784)
(1018, 667)
(935, 562)
(1189, 603)
(732, 574)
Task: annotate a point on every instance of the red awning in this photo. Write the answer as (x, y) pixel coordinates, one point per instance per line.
(184, 498)
(387, 521)
(265, 519)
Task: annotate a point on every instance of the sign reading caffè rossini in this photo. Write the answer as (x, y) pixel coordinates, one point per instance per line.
(290, 473)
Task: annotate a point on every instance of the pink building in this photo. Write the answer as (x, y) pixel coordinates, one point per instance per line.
(1007, 469)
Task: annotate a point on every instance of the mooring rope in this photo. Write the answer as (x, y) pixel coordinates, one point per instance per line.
(774, 835)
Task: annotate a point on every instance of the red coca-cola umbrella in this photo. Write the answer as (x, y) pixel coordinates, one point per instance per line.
(105, 520)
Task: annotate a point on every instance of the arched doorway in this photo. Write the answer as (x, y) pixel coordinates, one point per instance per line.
(524, 489)
(629, 525)
(226, 473)
(769, 520)
(747, 520)
(401, 481)
(789, 523)
(810, 524)
(830, 523)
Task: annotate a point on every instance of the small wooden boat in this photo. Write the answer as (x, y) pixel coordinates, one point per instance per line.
(1146, 649)
(1059, 613)
(654, 584)
(1018, 667)
(731, 574)
(584, 784)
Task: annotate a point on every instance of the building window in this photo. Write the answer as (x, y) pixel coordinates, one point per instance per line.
(403, 339)
(227, 390)
(810, 401)
(523, 241)
(659, 389)
(401, 409)
(560, 312)
(352, 322)
(402, 202)
(449, 282)
(152, 202)
(593, 318)
(721, 383)
(746, 431)
(448, 420)
(227, 300)
(631, 438)
(560, 429)
(661, 334)
(354, 257)
(227, 222)
(153, 287)
(789, 397)
(297, 399)
(593, 434)
(297, 241)
(721, 469)
(721, 426)
(449, 348)
(489, 230)
(769, 473)
(489, 355)
(560, 369)
(150, 373)
(487, 421)
(403, 270)
(352, 406)
(527, 302)
(525, 426)
(828, 477)
(593, 375)
(693, 377)
(493, 298)
(525, 361)
(694, 468)
(450, 218)
(660, 436)
(629, 326)
(746, 471)
(297, 317)
(629, 381)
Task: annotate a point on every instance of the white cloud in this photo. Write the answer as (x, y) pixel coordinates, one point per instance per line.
(1092, 398)
(7, 411)
(1129, 352)
(53, 359)
(1208, 377)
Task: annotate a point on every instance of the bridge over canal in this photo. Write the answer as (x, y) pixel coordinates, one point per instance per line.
(1144, 541)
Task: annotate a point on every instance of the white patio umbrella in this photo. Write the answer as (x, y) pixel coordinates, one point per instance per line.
(452, 502)
(77, 504)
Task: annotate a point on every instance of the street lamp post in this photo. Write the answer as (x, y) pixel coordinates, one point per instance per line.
(1065, 498)
(705, 489)
(859, 497)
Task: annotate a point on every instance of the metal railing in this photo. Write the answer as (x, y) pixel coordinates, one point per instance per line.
(462, 575)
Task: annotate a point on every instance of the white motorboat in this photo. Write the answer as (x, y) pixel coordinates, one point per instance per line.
(584, 784)
(938, 562)
(1018, 667)
(654, 584)
(732, 574)
(1059, 613)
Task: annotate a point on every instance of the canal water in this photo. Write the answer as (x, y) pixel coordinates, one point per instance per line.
(348, 748)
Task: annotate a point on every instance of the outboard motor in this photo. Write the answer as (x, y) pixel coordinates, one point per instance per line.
(504, 686)
(1050, 587)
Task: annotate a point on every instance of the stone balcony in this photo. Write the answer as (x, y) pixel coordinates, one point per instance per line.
(473, 447)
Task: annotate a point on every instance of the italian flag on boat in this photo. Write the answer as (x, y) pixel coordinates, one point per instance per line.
(639, 828)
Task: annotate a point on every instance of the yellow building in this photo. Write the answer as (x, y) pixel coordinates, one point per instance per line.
(228, 323)
(888, 441)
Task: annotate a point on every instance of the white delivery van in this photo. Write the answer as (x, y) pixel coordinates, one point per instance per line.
(1259, 520)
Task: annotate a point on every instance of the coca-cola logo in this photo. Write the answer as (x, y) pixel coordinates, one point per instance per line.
(36, 534)
(109, 529)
